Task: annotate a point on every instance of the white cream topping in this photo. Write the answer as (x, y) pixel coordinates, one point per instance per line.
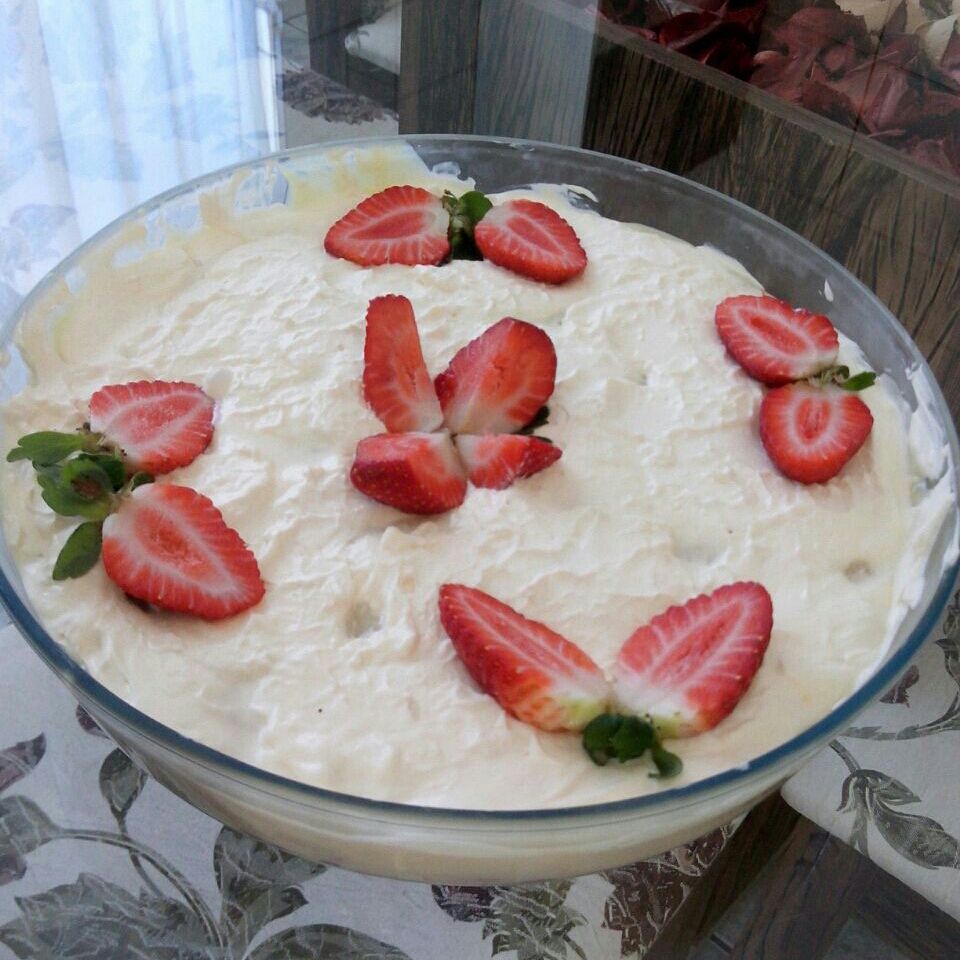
(342, 676)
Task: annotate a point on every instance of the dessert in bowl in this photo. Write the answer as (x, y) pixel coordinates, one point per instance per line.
(334, 716)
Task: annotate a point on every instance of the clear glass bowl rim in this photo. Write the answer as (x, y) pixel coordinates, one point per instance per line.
(75, 677)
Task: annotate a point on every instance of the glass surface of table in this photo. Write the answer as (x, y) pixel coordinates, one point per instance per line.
(837, 119)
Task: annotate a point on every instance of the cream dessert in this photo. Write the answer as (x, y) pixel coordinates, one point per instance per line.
(342, 675)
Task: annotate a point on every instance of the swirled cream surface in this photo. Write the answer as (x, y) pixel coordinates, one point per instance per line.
(342, 676)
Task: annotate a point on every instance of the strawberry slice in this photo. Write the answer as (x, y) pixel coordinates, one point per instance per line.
(395, 379)
(159, 425)
(497, 460)
(531, 239)
(398, 225)
(690, 666)
(414, 472)
(498, 382)
(535, 674)
(811, 433)
(169, 546)
(773, 342)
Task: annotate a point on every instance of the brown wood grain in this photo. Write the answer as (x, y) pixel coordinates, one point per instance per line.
(537, 67)
(328, 23)
(797, 905)
(906, 921)
(438, 65)
(807, 899)
(766, 829)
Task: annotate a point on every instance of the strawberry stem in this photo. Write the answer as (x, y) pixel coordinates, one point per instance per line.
(465, 213)
(615, 736)
(81, 474)
(136, 480)
(840, 376)
(540, 419)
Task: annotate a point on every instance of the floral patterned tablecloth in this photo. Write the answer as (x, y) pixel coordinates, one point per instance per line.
(890, 785)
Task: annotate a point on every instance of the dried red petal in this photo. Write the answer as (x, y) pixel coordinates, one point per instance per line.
(897, 21)
(720, 33)
(825, 99)
(942, 154)
(817, 28)
(839, 59)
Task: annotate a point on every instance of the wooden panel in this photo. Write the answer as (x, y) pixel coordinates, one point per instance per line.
(784, 889)
(438, 65)
(765, 831)
(328, 23)
(807, 899)
(372, 81)
(533, 72)
(908, 251)
(903, 919)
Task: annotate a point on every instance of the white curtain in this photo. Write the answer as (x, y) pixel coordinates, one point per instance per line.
(104, 103)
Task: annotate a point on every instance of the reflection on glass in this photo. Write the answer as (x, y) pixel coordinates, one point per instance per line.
(108, 103)
(890, 71)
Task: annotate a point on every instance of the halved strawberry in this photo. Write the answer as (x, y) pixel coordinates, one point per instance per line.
(535, 674)
(395, 379)
(810, 433)
(169, 546)
(690, 666)
(498, 382)
(414, 472)
(773, 342)
(159, 425)
(398, 225)
(531, 239)
(497, 460)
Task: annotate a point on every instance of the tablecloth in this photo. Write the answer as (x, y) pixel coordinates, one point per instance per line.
(890, 784)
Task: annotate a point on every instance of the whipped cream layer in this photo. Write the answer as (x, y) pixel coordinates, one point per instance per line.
(342, 677)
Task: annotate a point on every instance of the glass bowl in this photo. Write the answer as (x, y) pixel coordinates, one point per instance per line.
(471, 846)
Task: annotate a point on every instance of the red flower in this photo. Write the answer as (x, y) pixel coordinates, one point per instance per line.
(886, 87)
(719, 33)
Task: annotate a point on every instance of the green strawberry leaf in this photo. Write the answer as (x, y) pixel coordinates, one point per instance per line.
(860, 381)
(614, 736)
(46, 447)
(139, 479)
(111, 465)
(80, 552)
(475, 206)
(78, 488)
(668, 764)
(633, 739)
(597, 736)
(465, 213)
